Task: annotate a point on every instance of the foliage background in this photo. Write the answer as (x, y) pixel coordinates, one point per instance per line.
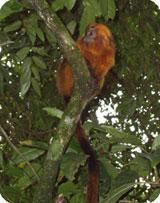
(126, 145)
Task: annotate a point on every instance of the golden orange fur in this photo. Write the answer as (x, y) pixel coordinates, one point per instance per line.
(98, 48)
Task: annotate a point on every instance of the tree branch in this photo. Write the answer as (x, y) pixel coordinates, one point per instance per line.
(84, 91)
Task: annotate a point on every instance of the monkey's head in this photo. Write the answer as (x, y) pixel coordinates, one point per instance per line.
(98, 47)
(96, 38)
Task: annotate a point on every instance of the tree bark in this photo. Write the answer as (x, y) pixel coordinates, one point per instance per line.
(83, 92)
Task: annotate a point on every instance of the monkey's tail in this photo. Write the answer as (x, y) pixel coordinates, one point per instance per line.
(93, 166)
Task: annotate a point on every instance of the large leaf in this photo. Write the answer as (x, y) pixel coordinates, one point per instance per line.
(35, 144)
(120, 148)
(40, 33)
(74, 161)
(154, 157)
(40, 50)
(10, 7)
(90, 12)
(114, 195)
(156, 143)
(28, 178)
(1, 83)
(1, 160)
(120, 185)
(36, 86)
(11, 193)
(54, 112)
(108, 8)
(32, 28)
(154, 194)
(70, 3)
(60, 4)
(22, 53)
(25, 79)
(78, 198)
(39, 62)
(71, 26)
(36, 72)
(110, 169)
(141, 165)
(28, 153)
(50, 36)
(14, 26)
(67, 189)
(117, 136)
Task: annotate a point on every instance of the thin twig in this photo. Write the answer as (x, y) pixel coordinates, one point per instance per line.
(18, 152)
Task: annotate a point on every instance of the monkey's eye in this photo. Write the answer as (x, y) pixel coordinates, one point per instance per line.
(90, 36)
(91, 33)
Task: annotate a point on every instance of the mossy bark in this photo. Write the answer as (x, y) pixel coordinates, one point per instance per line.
(83, 92)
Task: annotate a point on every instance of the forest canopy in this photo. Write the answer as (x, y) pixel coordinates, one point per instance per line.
(31, 110)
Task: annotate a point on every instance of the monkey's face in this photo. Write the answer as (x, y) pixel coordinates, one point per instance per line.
(90, 35)
(97, 37)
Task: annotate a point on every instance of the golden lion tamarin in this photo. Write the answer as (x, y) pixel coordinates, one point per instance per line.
(98, 48)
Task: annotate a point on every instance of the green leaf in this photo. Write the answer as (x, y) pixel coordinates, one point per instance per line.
(40, 33)
(74, 161)
(29, 153)
(31, 24)
(25, 79)
(11, 192)
(141, 165)
(39, 62)
(36, 86)
(4, 39)
(67, 189)
(156, 143)
(154, 157)
(154, 194)
(120, 148)
(128, 107)
(24, 182)
(109, 168)
(78, 198)
(90, 12)
(60, 4)
(121, 137)
(74, 146)
(126, 176)
(1, 83)
(35, 71)
(13, 171)
(120, 185)
(1, 160)
(28, 178)
(39, 50)
(114, 195)
(50, 36)
(14, 26)
(108, 9)
(10, 7)
(54, 112)
(69, 4)
(71, 26)
(22, 53)
(35, 144)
